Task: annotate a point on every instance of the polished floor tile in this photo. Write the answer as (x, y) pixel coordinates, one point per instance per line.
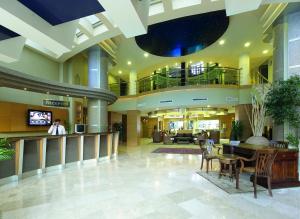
(139, 184)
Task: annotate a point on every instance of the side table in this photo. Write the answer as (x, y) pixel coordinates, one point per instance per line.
(228, 167)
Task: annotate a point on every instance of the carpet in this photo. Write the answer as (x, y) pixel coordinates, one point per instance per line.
(229, 186)
(177, 150)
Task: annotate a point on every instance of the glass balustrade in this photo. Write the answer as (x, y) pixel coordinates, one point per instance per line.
(176, 77)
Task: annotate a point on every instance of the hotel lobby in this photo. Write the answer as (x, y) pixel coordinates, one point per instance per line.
(149, 109)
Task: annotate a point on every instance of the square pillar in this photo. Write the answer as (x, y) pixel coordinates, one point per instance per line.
(133, 127)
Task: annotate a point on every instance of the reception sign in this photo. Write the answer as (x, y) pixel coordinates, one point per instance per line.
(56, 103)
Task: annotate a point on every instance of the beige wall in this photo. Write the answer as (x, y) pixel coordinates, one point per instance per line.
(79, 70)
(35, 64)
(241, 115)
(148, 126)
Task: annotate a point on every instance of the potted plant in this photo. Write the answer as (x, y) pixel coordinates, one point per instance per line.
(283, 102)
(293, 140)
(257, 115)
(236, 130)
(6, 150)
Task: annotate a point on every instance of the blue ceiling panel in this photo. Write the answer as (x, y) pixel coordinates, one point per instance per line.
(60, 11)
(184, 36)
(6, 33)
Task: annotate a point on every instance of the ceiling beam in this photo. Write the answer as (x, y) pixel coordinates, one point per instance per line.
(104, 20)
(11, 49)
(21, 20)
(167, 5)
(236, 7)
(86, 27)
(131, 16)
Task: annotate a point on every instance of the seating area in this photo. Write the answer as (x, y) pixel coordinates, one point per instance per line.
(259, 167)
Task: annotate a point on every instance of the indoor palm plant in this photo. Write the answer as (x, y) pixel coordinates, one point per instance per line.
(283, 103)
(6, 150)
(236, 130)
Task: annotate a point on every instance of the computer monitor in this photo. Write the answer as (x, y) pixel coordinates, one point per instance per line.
(79, 128)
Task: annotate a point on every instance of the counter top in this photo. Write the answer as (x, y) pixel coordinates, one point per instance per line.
(261, 147)
(13, 139)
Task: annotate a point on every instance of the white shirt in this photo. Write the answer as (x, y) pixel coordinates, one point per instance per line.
(61, 130)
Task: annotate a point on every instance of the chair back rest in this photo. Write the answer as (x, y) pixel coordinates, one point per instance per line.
(264, 162)
(279, 144)
(206, 146)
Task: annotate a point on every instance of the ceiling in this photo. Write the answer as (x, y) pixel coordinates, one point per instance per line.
(49, 27)
(245, 27)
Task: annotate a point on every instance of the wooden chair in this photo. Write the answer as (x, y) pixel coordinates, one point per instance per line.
(167, 139)
(263, 167)
(208, 155)
(279, 144)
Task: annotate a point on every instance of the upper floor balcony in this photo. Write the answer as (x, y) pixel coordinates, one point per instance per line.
(180, 77)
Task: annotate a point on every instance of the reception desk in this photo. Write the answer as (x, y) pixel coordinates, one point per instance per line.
(39, 154)
(284, 169)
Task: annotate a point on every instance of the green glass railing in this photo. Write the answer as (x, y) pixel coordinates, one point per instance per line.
(176, 77)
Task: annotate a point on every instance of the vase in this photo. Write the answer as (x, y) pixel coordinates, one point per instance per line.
(258, 140)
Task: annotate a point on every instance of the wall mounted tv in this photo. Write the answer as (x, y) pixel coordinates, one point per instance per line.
(39, 118)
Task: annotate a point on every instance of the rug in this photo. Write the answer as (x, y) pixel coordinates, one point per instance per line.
(178, 151)
(228, 185)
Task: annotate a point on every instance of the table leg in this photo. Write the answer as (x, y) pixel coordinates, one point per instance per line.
(237, 178)
(230, 171)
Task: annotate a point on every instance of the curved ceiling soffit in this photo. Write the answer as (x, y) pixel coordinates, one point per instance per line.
(184, 36)
(14, 79)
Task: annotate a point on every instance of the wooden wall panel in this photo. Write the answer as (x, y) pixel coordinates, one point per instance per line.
(13, 117)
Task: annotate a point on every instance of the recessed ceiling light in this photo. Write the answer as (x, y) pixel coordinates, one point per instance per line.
(191, 62)
(68, 95)
(222, 42)
(146, 54)
(120, 72)
(159, 69)
(210, 62)
(247, 44)
(265, 51)
(25, 88)
(208, 105)
(167, 66)
(220, 64)
(129, 63)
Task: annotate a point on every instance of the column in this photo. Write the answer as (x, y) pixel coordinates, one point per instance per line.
(133, 127)
(132, 82)
(286, 56)
(97, 78)
(71, 114)
(244, 65)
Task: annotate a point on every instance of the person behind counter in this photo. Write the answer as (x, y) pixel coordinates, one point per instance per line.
(57, 128)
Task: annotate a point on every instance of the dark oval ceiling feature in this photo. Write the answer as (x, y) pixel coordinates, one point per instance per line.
(184, 36)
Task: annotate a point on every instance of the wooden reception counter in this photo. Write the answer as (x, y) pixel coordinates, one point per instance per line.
(284, 169)
(39, 154)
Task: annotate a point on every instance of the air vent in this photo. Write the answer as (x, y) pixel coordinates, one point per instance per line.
(166, 101)
(200, 99)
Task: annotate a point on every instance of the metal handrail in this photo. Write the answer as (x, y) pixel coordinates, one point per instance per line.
(177, 77)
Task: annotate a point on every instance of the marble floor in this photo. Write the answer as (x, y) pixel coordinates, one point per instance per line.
(139, 184)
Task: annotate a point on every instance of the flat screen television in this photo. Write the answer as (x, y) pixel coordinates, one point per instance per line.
(79, 128)
(39, 118)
